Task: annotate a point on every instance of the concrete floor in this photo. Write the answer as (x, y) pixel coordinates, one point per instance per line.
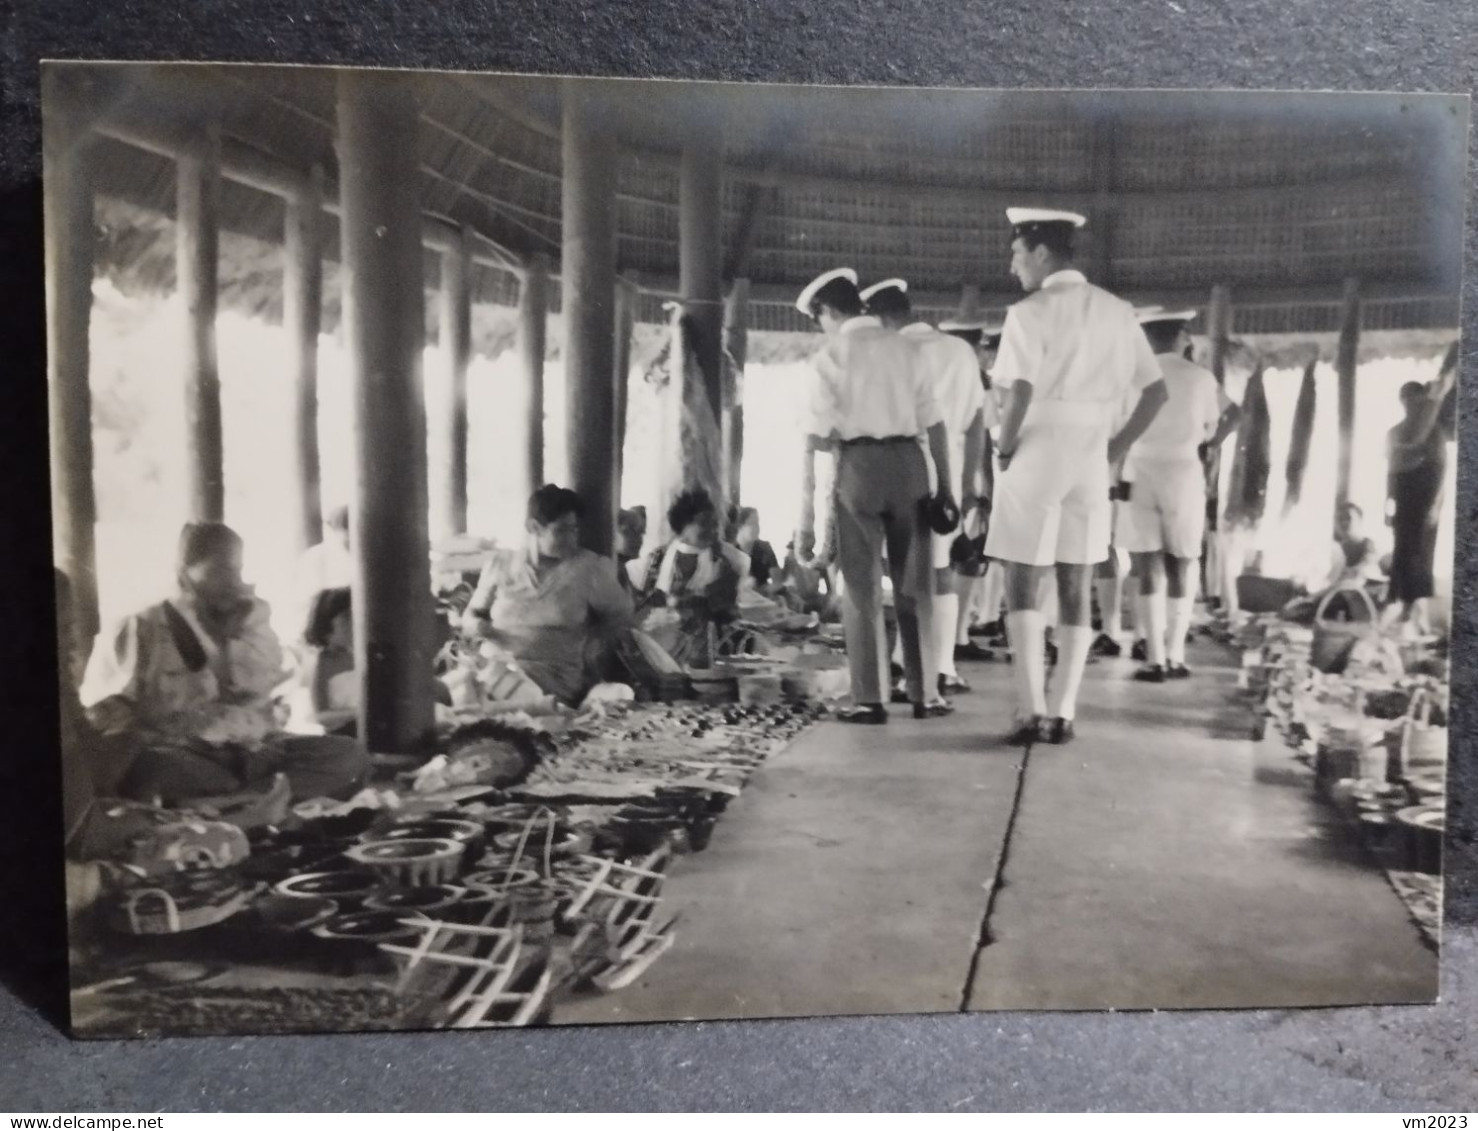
(1161, 861)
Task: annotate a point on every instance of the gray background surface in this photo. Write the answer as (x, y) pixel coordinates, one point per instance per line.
(1399, 1059)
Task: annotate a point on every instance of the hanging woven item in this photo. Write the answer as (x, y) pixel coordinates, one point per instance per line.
(1247, 494)
(1302, 438)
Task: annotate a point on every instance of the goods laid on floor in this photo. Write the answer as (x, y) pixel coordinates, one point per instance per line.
(1369, 719)
(523, 863)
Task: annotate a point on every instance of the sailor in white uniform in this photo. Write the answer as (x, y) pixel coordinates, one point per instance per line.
(870, 401)
(954, 369)
(982, 596)
(1164, 516)
(1070, 354)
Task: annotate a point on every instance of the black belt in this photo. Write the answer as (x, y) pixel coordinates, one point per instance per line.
(874, 441)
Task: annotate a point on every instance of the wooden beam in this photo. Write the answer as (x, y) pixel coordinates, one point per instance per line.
(69, 233)
(588, 290)
(392, 610)
(533, 311)
(302, 316)
(998, 298)
(1346, 364)
(449, 515)
(247, 165)
(736, 349)
(197, 253)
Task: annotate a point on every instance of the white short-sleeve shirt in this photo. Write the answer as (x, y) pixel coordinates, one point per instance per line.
(870, 381)
(955, 371)
(1072, 341)
(1188, 418)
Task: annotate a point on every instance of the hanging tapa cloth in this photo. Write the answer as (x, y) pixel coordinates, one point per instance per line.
(701, 431)
(1447, 419)
(1247, 494)
(1302, 438)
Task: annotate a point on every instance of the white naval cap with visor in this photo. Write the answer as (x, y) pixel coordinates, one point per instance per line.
(1027, 217)
(807, 296)
(885, 285)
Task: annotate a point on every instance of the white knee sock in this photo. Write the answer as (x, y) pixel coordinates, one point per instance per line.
(1179, 625)
(969, 603)
(1024, 632)
(1154, 627)
(1073, 642)
(946, 622)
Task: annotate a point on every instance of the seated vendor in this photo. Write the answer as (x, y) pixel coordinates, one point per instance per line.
(328, 695)
(764, 567)
(695, 578)
(552, 605)
(189, 683)
(631, 531)
(1354, 564)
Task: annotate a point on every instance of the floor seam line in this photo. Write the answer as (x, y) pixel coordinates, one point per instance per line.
(982, 936)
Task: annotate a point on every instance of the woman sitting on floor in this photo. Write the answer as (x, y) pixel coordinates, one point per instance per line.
(691, 585)
(188, 683)
(552, 607)
(764, 566)
(1354, 564)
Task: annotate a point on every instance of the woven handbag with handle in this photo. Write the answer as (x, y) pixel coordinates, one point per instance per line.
(1334, 640)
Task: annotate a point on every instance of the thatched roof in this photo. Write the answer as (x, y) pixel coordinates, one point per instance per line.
(1279, 197)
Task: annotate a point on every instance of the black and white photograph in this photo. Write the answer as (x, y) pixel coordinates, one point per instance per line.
(542, 550)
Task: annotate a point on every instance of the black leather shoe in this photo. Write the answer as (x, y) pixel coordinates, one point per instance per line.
(868, 714)
(899, 694)
(1151, 673)
(953, 685)
(1025, 733)
(973, 651)
(1106, 646)
(1140, 652)
(1177, 671)
(1058, 732)
(936, 710)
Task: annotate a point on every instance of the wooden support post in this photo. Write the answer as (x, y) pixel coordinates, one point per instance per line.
(627, 297)
(701, 246)
(1104, 161)
(1346, 363)
(392, 611)
(533, 310)
(197, 221)
(1214, 575)
(588, 292)
(449, 511)
(1219, 330)
(736, 349)
(302, 318)
(67, 185)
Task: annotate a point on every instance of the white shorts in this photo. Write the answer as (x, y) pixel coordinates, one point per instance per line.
(1166, 511)
(1052, 502)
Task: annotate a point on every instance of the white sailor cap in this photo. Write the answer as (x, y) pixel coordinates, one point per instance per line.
(1020, 217)
(885, 285)
(803, 303)
(1149, 314)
